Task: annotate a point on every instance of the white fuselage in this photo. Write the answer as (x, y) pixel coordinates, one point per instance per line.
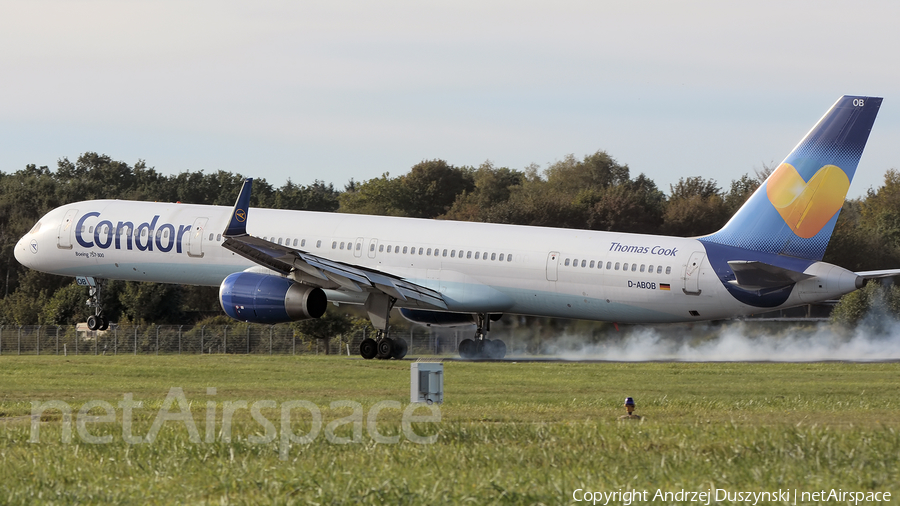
(478, 267)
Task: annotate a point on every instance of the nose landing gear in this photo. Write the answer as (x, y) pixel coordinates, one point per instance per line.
(96, 321)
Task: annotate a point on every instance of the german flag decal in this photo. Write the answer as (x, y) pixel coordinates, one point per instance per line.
(664, 286)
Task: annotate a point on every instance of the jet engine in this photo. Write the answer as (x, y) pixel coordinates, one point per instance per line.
(263, 298)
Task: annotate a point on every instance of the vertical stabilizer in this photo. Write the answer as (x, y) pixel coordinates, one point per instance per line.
(793, 213)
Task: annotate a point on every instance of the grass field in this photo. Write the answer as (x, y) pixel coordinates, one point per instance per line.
(510, 433)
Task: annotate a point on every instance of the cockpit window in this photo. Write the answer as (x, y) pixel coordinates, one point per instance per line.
(35, 228)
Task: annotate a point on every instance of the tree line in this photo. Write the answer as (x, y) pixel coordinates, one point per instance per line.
(594, 192)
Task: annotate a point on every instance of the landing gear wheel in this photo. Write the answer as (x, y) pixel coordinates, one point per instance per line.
(104, 323)
(368, 349)
(400, 349)
(494, 349)
(93, 322)
(479, 348)
(467, 349)
(385, 348)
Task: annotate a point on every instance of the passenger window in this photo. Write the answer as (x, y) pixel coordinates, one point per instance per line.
(279, 241)
(404, 250)
(625, 266)
(469, 254)
(642, 267)
(617, 265)
(444, 253)
(659, 269)
(342, 244)
(567, 262)
(477, 255)
(460, 253)
(91, 229)
(429, 252)
(420, 250)
(509, 257)
(608, 265)
(319, 244)
(575, 263)
(501, 257)
(484, 256)
(372, 247)
(453, 253)
(633, 267)
(668, 270)
(591, 266)
(381, 248)
(359, 246)
(584, 262)
(303, 242)
(334, 245)
(650, 269)
(210, 236)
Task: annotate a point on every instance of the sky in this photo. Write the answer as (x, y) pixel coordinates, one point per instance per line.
(334, 90)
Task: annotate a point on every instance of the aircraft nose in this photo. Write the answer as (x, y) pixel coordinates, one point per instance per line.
(20, 251)
(25, 250)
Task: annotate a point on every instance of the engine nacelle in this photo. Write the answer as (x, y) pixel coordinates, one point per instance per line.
(437, 318)
(263, 298)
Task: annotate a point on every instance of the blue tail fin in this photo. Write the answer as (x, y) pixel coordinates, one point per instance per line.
(793, 213)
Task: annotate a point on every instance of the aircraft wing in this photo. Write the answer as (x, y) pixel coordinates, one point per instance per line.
(315, 270)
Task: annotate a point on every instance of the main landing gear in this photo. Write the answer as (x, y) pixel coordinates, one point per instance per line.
(96, 321)
(481, 347)
(383, 347)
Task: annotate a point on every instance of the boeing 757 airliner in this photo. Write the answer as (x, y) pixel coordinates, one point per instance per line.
(275, 266)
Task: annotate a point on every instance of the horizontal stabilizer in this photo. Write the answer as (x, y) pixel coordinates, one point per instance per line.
(753, 275)
(878, 274)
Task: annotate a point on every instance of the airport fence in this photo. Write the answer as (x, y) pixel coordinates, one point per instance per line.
(207, 339)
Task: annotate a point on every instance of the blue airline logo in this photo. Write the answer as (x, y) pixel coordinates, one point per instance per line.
(164, 237)
(643, 250)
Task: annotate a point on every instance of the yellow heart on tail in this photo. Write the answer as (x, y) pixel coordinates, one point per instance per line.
(807, 206)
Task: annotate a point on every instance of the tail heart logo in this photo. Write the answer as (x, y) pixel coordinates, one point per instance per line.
(807, 206)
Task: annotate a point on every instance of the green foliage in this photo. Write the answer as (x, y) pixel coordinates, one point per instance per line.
(67, 306)
(331, 324)
(427, 191)
(151, 302)
(696, 207)
(875, 305)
